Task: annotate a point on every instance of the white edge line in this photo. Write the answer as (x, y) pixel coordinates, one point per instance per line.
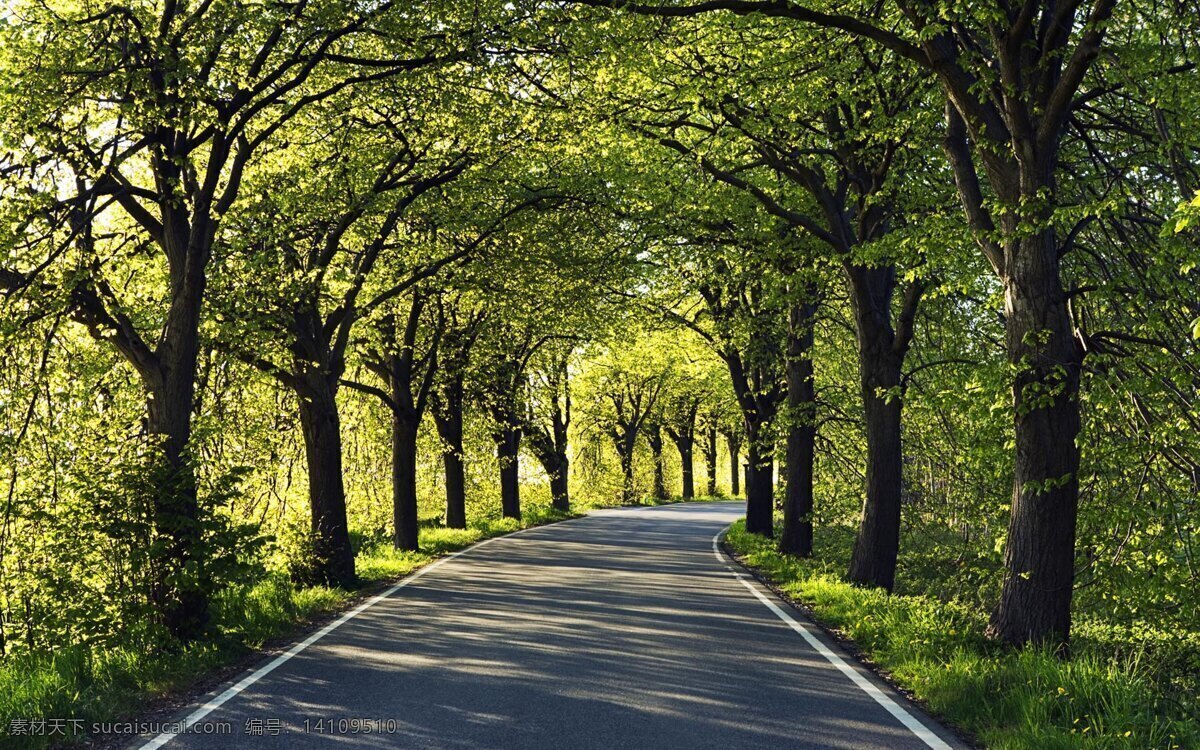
(275, 663)
(904, 717)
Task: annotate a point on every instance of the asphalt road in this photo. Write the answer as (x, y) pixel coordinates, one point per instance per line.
(620, 630)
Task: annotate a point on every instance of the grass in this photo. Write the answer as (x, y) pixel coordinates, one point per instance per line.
(90, 685)
(1104, 696)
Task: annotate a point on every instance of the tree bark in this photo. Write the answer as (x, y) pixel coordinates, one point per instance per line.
(404, 482)
(735, 465)
(625, 448)
(181, 598)
(683, 435)
(654, 438)
(560, 482)
(560, 491)
(685, 446)
(709, 449)
(873, 562)
(1039, 558)
(321, 424)
(448, 417)
(508, 451)
(552, 455)
(797, 536)
(168, 372)
(760, 491)
(550, 445)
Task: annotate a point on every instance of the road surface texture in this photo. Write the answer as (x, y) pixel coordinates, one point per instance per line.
(624, 629)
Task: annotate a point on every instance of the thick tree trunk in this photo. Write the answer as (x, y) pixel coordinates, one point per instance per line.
(180, 597)
(797, 537)
(404, 482)
(710, 460)
(448, 416)
(321, 424)
(560, 497)
(555, 463)
(1039, 559)
(685, 445)
(456, 489)
(550, 447)
(654, 437)
(625, 454)
(760, 490)
(878, 543)
(508, 451)
(560, 481)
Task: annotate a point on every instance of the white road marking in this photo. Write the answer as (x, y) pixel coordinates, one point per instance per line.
(275, 663)
(904, 717)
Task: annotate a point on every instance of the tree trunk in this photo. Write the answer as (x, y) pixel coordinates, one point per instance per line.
(448, 416)
(508, 451)
(735, 467)
(654, 437)
(456, 489)
(554, 462)
(760, 492)
(319, 419)
(180, 596)
(560, 497)
(797, 537)
(404, 482)
(685, 446)
(878, 543)
(710, 460)
(550, 447)
(625, 446)
(1039, 559)
(560, 481)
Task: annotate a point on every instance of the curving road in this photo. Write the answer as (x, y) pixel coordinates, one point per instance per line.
(624, 629)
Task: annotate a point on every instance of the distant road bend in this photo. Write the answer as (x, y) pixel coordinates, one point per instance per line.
(625, 629)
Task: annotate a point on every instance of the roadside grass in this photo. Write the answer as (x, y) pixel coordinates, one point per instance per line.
(1111, 693)
(112, 683)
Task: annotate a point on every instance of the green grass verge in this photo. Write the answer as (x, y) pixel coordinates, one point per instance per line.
(1101, 697)
(109, 684)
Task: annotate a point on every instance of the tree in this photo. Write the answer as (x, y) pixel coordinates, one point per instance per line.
(842, 156)
(708, 448)
(680, 426)
(548, 421)
(448, 396)
(1011, 77)
(408, 370)
(167, 160)
(732, 431)
(632, 397)
(797, 537)
(313, 304)
(654, 439)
